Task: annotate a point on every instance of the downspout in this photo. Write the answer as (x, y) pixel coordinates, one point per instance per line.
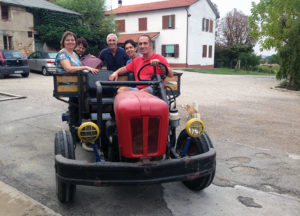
(187, 34)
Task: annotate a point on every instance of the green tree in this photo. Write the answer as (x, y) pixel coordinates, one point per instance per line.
(290, 57)
(274, 59)
(233, 40)
(95, 25)
(92, 25)
(274, 23)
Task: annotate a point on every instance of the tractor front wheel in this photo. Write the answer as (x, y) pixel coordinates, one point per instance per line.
(197, 146)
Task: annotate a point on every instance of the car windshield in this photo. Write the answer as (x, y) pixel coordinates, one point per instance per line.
(12, 55)
(52, 55)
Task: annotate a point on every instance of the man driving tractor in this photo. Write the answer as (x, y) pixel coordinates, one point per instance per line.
(148, 56)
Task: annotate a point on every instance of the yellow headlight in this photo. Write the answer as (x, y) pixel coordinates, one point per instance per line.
(195, 127)
(88, 132)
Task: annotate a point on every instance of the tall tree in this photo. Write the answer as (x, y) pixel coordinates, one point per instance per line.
(274, 23)
(233, 36)
(96, 24)
(92, 25)
(234, 30)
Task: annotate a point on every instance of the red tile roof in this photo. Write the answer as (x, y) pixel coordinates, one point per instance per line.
(151, 6)
(123, 37)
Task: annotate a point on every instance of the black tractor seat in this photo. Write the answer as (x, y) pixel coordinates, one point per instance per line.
(103, 75)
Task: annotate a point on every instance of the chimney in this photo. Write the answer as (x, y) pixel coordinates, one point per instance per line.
(119, 3)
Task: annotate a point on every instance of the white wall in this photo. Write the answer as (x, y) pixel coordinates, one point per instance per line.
(154, 24)
(197, 37)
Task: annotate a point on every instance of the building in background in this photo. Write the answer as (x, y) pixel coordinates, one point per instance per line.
(17, 24)
(182, 30)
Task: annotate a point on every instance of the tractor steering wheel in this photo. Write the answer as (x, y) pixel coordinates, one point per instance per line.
(154, 67)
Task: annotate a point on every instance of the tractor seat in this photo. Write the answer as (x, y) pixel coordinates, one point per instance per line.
(103, 75)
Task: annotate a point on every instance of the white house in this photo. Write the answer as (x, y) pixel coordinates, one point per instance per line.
(182, 30)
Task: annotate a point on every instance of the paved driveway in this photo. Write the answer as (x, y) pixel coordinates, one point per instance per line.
(254, 126)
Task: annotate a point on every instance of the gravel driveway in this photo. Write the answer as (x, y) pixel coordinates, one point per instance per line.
(254, 126)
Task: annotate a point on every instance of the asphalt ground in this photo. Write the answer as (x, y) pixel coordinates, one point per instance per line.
(254, 126)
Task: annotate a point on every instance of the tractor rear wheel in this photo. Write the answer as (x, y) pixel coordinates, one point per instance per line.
(64, 146)
(197, 146)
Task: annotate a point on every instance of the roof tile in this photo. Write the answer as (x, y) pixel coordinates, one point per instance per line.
(152, 6)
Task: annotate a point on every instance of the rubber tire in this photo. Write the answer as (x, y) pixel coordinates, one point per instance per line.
(25, 75)
(64, 146)
(45, 71)
(198, 145)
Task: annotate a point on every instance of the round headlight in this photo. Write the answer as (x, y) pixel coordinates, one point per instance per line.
(195, 127)
(88, 132)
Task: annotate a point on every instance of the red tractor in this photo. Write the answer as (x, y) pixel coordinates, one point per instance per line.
(132, 134)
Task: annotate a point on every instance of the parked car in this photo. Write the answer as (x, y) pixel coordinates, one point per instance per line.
(13, 62)
(43, 61)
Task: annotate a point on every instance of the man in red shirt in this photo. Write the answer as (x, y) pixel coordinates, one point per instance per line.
(148, 56)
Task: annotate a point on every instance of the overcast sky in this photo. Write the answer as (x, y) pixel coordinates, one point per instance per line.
(224, 6)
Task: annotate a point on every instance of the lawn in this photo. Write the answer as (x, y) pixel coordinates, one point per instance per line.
(227, 71)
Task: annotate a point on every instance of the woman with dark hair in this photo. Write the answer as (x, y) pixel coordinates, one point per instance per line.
(67, 60)
(81, 47)
(131, 50)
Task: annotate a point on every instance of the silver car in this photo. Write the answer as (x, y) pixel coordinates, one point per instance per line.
(42, 61)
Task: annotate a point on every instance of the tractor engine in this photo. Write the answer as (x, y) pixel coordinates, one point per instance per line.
(142, 124)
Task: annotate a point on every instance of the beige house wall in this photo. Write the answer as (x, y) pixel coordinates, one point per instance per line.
(19, 23)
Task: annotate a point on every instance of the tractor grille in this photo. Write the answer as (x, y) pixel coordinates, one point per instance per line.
(145, 133)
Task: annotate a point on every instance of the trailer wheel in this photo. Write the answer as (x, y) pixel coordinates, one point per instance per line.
(197, 146)
(64, 146)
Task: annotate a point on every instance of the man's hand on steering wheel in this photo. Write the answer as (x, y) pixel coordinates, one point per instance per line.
(154, 63)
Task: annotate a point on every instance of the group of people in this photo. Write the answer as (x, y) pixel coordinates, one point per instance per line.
(115, 58)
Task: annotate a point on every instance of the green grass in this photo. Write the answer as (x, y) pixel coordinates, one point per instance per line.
(226, 71)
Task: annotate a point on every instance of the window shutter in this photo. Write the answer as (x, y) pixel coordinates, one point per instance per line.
(143, 24)
(165, 22)
(173, 21)
(203, 24)
(204, 51)
(176, 51)
(207, 24)
(211, 24)
(210, 52)
(163, 50)
(120, 25)
(4, 12)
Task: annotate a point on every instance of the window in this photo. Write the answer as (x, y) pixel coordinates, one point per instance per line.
(210, 52)
(4, 12)
(204, 51)
(207, 25)
(7, 42)
(142, 24)
(170, 50)
(168, 22)
(120, 25)
(30, 34)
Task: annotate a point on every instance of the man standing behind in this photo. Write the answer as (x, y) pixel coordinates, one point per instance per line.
(114, 57)
(148, 56)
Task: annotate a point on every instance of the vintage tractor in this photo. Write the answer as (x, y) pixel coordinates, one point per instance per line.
(132, 134)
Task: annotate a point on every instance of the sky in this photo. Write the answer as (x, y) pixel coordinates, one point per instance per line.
(224, 6)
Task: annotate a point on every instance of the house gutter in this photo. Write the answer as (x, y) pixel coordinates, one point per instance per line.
(187, 34)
